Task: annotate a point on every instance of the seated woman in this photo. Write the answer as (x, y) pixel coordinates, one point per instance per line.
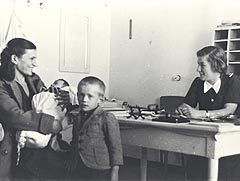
(18, 84)
(213, 94)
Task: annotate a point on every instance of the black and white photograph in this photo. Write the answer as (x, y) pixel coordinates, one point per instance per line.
(119, 90)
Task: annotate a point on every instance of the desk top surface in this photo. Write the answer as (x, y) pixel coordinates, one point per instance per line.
(192, 125)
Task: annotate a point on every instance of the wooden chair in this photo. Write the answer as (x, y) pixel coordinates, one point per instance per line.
(170, 103)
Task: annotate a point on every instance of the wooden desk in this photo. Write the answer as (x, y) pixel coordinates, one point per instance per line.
(211, 140)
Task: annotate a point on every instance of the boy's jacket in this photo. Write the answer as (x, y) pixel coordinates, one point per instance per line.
(98, 140)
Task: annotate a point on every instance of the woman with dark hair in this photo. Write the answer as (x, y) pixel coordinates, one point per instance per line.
(213, 94)
(18, 84)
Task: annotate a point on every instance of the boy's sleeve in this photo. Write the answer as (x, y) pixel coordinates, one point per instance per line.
(114, 140)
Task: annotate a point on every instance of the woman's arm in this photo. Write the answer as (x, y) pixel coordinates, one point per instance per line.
(13, 116)
(185, 109)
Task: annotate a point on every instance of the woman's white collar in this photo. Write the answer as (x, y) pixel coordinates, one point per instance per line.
(216, 86)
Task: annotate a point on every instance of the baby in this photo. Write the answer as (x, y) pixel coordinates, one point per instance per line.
(46, 102)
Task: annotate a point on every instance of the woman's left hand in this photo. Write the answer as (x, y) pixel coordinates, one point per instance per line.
(63, 98)
(190, 111)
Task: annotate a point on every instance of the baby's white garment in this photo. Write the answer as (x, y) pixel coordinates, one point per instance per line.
(43, 102)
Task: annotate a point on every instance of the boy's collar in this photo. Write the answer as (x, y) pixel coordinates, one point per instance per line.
(95, 110)
(87, 112)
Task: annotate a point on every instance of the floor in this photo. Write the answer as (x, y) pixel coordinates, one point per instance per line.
(130, 171)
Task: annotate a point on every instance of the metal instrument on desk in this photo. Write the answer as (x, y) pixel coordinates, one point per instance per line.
(160, 115)
(155, 114)
(152, 110)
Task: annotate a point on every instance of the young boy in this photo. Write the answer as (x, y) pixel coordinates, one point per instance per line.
(96, 143)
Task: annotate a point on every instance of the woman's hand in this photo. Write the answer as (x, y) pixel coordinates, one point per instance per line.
(189, 111)
(57, 126)
(63, 98)
(183, 109)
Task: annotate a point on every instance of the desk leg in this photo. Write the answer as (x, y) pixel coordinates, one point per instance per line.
(144, 164)
(213, 169)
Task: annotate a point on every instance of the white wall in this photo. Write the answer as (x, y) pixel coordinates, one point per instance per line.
(166, 35)
(223, 10)
(42, 27)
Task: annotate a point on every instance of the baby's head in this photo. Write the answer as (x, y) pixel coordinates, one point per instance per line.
(60, 83)
(90, 93)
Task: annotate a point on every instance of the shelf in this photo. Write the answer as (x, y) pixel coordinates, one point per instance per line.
(222, 40)
(234, 63)
(234, 51)
(228, 38)
(234, 68)
(234, 45)
(234, 58)
(235, 33)
(235, 39)
(232, 27)
(221, 34)
(222, 45)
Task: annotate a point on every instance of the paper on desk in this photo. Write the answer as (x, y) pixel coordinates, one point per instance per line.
(204, 123)
(221, 125)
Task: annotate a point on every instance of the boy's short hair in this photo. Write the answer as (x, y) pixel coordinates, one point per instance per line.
(93, 80)
(216, 57)
(65, 83)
